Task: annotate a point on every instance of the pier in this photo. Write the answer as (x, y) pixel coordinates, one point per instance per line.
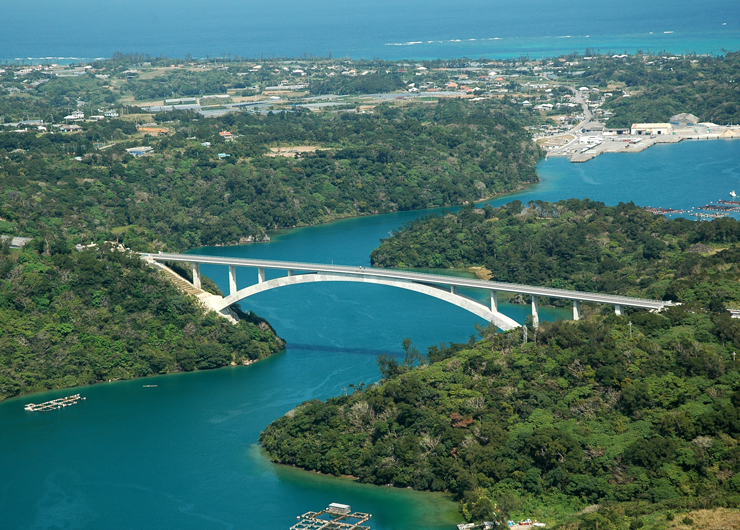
(663, 211)
(54, 404)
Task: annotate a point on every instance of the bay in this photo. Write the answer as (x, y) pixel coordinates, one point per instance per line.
(685, 176)
(183, 454)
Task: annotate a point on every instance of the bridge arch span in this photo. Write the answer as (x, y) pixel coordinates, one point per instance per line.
(500, 320)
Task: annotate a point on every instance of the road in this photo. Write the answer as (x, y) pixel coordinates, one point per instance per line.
(417, 277)
(575, 131)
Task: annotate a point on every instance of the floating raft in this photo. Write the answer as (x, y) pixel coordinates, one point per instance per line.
(719, 208)
(335, 517)
(710, 215)
(734, 203)
(55, 403)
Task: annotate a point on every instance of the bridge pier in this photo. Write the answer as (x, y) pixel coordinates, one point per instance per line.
(232, 280)
(619, 310)
(260, 274)
(576, 310)
(494, 301)
(453, 289)
(196, 275)
(291, 272)
(535, 311)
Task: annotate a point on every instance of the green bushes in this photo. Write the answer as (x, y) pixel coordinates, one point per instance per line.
(185, 196)
(637, 414)
(582, 245)
(570, 416)
(75, 318)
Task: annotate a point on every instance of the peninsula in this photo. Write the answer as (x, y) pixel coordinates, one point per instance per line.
(612, 421)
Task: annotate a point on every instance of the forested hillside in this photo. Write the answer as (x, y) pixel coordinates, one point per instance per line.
(635, 417)
(72, 318)
(581, 245)
(658, 88)
(185, 195)
(641, 422)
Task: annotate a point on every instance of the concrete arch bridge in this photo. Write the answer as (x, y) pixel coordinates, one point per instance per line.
(435, 285)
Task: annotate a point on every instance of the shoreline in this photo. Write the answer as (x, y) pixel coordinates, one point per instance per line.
(472, 45)
(233, 364)
(279, 231)
(451, 511)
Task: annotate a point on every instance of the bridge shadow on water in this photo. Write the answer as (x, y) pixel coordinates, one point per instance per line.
(340, 349)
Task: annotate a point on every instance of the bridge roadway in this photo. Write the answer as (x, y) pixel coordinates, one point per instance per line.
(417, 281)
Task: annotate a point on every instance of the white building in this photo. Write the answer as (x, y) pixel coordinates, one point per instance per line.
(651, 128)
(75, 116)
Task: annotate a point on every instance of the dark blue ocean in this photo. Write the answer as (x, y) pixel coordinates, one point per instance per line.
(388, 29)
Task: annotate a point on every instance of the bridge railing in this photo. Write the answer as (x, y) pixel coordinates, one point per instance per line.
(443, 279)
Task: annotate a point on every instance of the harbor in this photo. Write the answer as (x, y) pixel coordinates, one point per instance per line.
(54, 404)
(590, 138)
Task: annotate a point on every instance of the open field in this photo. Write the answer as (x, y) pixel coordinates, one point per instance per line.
(293, 151)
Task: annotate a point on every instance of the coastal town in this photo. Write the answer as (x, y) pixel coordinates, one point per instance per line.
(567, 118)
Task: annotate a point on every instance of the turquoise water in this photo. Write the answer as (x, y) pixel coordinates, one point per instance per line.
(183, 454)
(681, 176)
(388, 29)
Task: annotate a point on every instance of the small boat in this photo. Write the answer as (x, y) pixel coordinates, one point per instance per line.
(149, 386)
(733, 194)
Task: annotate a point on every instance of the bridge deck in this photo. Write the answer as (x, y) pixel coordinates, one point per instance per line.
(417, 277)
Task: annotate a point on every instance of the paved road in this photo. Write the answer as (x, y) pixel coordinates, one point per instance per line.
(575, 131)
(417, 277)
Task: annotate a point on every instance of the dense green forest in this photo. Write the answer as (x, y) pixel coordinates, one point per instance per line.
(372, 83)
(579, 244)
(635, 416)
(186, 196)
(71, 318)
(659, 88)
(641, 421)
